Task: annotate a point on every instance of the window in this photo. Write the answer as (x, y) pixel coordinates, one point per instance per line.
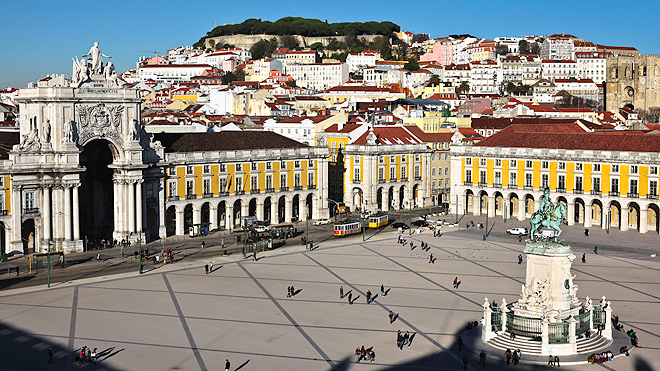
(282, 164)
(433, 172)
(578, 166)
(615, 185)
(634, 169)
(357, 159)
(296, 180)
(562, 166)
(269, 182)
(653, 188)
(282, 181)
(482, 162)
(356, 174)
(482, 177)
(544, 165)
(578, 183)
(207, 169)
(392, 158)
(596, 167)
(172, 189)
(239, 184)
(404, 173)
(333, 174)
(498, 178)
(404, 158)
(528, 164)
(254, 166)
(206, 186)
(254, 183)
(653, 170)
(392, 173)
(513, 179)
(223, 185)
(498, 162)
(633, 186)
(596, 184)
(468, 176)
(296, 164)
(381, 159)
(310, 179)
(528, 180)
(223, 168)
(381, 174)
(189, 170)
(615, 168)
(417, 172)
(150, 190)
(468, 161)
(311, 163)
(190, 184)
(561, 182)
(171, 170)
(513, 163)
(417, 157)
(269, 165)
(544, 181)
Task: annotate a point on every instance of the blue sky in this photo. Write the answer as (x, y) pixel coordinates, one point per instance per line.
(41, 37)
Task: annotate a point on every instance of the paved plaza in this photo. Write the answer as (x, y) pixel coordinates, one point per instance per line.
(177, 317)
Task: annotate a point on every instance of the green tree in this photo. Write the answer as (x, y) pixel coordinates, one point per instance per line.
(463, 88)
(228, 78)
(535, 49)
(420, 37)
(435, 79)
(318, 46)
(502, 49)
(289, 42)
(523, 47)
(211, 43)
(261, 48)
(510, 86)
(411, 65)
(240, 74)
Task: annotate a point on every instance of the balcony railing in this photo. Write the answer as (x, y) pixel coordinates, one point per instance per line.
(3, 212)
(284, 189)
(207, 195)
(381, 180)
(483, 184)
(404, 178)
(240, 192)
(595, 192)
(512, 186)
(633, 195)
(467, 183)
(255, 191)
(614, 193)
(223, 193)
(270, 190)
(561, 189)
(191, 196)
(418, 178)
(311, 186)
(173, 198)
(31, 210)
(152, 200)
(497, 185)
(356, 181)
(578, 191)
(297, 188)
(529, 188)
(393, 180)
(652, 196)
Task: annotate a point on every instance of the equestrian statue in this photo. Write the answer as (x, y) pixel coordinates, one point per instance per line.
(548, 215)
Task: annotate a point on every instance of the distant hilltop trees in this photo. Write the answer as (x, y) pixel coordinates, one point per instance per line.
(303, 27)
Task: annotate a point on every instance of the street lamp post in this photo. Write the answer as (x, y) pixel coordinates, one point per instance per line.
(486, 231)
(410, 218)
(48, 263)
(140, 248)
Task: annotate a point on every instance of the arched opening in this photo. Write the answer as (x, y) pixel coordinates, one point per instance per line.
(170, 221)
(469, 201)
(222, 215)
(513, 204)
(578, 212)
(295, 208)
(499, 205)
(615, 214)
(206, 216)
(390, 199)
(236, 218)
(152, 224)
(529, 204)
(357, 199)
(633, 215)
(281, 209)
(252, 207)
(3, 239)
(379, 198)
(402, 196)
(653, 218)
(483, 202)
(96, 197)
(630, 106)
(309, 202)
(267, 212)
(597, 213)
(187, 218)
(28, 236)
(417, 201)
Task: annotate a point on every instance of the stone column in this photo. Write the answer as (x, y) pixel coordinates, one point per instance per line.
(16, 212)
(643, 220)
(245, 209)
(572, 337)
(302, 209)
(260, 210)
(213, 217)
(273, 211)
(487, 329)
(288, 210)
(117, 202)
(521, 209)
(505, 312)
(491, 207)
(624, 219)
(570, 213)
(229, 215)
(138, 205)
(587, 216)
(67, 213)
(45, 214)
(545, 336)
(607, 332)
(179, 223)
(590, 308)
(197, 216)
(76, 213)
(537, 204)
(476, 205)
(131, 206)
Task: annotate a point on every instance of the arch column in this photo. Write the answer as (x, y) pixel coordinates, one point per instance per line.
(491, 206)
(179, 223)
(138, 205)
(624, 219)
(302, 208)
(521, 209)
(245, 209)
(643, 220)
(537, 204)
(288, 210)
(67, 213)
(197, 216)
(260, 210)
(274, 206)
(570, 213)
(213, 217)
(131, 206)
(45, 215)
(587, 215)
(229, 215)
(76, 213)
(476, 204)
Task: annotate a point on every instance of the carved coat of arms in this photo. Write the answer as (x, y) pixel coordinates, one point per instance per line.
(99, 121)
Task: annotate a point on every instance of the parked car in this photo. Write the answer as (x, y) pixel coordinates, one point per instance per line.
(420, 223)
(399, 225)
(322, 221)
(521, 231)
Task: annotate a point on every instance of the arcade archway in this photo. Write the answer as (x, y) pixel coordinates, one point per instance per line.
(96, 201)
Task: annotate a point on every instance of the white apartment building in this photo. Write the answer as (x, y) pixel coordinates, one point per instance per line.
(376, 76)
(261, 69)
(583, 88)
(358, 61)
(512, 68)
(559, 46)
(592, 65)
(319, 76)
(531, 69)
(460, 54)
(300, 129)
(484, 77)
(171, 73)
(558, 69)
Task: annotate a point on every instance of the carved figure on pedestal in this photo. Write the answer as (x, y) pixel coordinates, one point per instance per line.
(30, 141)
(46, 132)
(135, 130)
(80, 73)
(97, 58)
(68, 131)
(548, 215)
(110, 74)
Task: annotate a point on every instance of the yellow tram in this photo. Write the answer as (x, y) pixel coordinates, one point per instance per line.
(346, 227)
(378, 220)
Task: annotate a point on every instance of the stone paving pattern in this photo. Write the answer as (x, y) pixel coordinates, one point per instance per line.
(177, 317)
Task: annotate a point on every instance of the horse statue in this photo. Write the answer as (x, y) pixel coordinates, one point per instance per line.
(551, 220)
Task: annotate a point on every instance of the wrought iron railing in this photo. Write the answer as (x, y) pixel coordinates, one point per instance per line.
(223, 193)
(652, 196)
(255, 191)
(173, 198)
(496, 319)
(523, 326)
(561, 189)
(595, 192)
(558, 333)
(207, 195)
(31, 210)
(467, 182)
(599, 315)
(614, 193)
(311, 186)
(270, 190)
(633, 195)
(191, 196)
(583, 322)
(578, 191)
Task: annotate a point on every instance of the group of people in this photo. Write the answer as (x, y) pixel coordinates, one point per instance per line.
(366, 354)
(553, 361)
(514, 357)
(634, 341)
(209, 267)
(290, 291)
(86, 355)
(606, 356)
(403, 339)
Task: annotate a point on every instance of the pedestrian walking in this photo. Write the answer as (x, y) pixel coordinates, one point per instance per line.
(288, 292)
(203, 244)
(482, 358)
(520, 238)
(368, 296)
(406, 339)
(520, 259)
(584, 258)
(363, 352)
(456, 283)
(341, 292)
(460, 343)
(206, 267)
(227, 365)
(391, 317)
(382, 289)
(17, 268)
(254, 256)
(465, 362)
(357, 354)
(557, 361)
(399, 340)
(517, 355)
(293, 291)
(89, 355)
(50, 355)
(211, 267)
(507, 355)
(350, 295)
(93, 357)
(431, 258)
(596, 250)
(222, 243)
(98, 258)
